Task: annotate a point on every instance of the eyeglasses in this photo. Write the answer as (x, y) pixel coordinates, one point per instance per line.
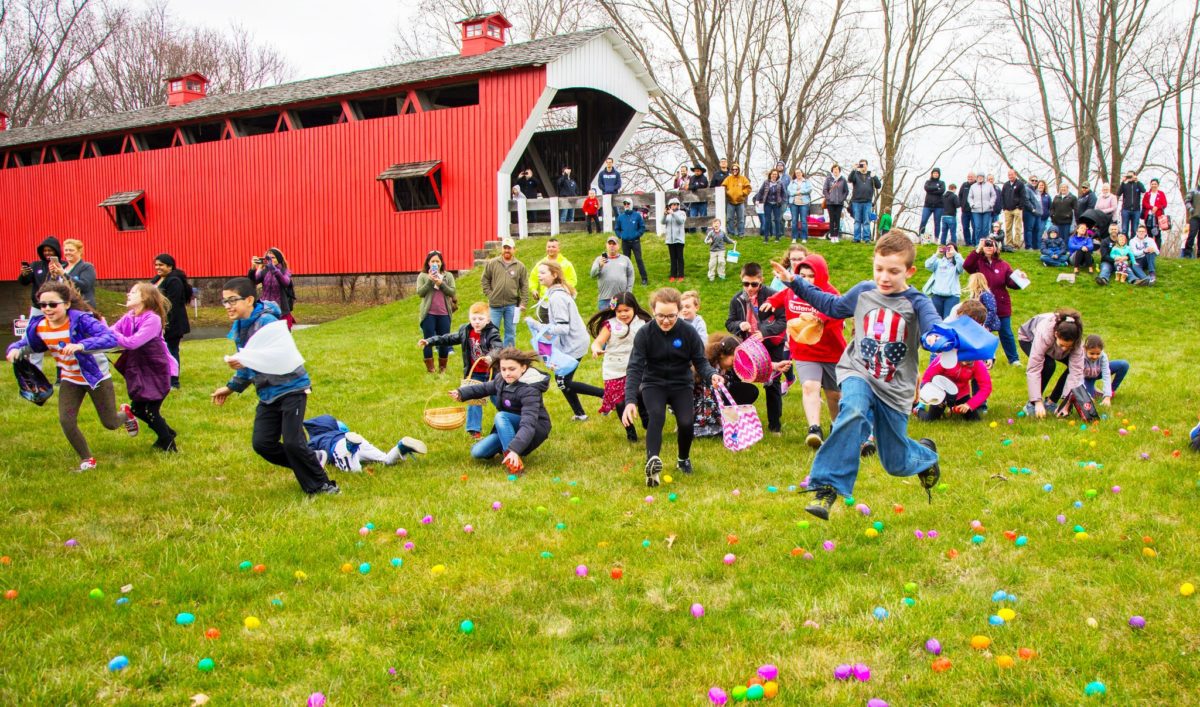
(666, 317)
(230, 301)
(747, 283)
(49, 305)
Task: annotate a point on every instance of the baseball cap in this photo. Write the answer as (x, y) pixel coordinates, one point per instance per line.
(613, 239)
(507, 243)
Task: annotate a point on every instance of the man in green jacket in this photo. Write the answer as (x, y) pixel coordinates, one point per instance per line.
(506, 286)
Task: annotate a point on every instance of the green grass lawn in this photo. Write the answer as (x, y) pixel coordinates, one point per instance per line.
(176, 528)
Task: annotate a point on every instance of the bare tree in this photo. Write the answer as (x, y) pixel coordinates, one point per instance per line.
(1184, 104)
(434, 32)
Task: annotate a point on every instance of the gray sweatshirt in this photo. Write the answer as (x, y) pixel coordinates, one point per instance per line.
(615, 277)
(557, 309)
(675, 226)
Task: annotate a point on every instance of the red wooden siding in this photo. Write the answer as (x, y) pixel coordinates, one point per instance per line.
(310, 192)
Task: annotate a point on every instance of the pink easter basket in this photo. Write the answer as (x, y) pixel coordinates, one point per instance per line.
(751, 362)
(740, 426)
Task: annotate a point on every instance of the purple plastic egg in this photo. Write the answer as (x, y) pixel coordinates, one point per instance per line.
(468, 528)
(730, 558)
(1116, 489)
(931, 534)
(401, 533)
(875, 701)
(409, 545)
(768, 672)
(920, 534)
(581, 571)
(496, 505)
(1137, 622)
(316, 699)
(717, 696)
(843, 672)
(697, 610)
(1061, 519)
(71, 543)
(934, 646)
(829, 545)
(861, 672)
(426, 520)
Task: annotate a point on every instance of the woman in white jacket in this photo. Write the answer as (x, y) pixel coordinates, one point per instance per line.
(558, 311)
(674, 220)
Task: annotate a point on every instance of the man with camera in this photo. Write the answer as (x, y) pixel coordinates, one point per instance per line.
(1130, 193)
(863, 186)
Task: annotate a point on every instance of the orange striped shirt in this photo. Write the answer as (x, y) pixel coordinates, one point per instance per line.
(53, 336)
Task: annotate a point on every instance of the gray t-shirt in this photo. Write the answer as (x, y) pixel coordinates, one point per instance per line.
(887, 336)
(615, 277)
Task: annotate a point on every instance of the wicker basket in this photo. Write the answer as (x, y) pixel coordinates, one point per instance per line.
(445, 418)
(471, 381)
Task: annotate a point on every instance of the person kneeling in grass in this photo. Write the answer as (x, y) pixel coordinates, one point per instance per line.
(282, 397)
(480, 340)
(333, 441)
(521, 423)
(963, 374)
(877, 373)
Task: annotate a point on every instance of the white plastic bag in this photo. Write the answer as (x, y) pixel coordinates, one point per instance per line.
(271, 350)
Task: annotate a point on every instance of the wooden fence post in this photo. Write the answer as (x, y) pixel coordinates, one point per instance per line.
(608, 213)
(553, 216)
(719, 205)
(522, 219)
(660, 207)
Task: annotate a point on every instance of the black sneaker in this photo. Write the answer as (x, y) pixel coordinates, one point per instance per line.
(868, 448)
(824, 500)
(814, 438)
(631, 433)
(653, 470)
(931, 476)
(1101, 281)
(329, 489)
(684, 465)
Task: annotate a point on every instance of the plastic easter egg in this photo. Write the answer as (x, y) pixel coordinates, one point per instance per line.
(976, 524)
(1149, 552)
(729, 558)
(496, 505)
(468, 528)
(649, 499)
(10, 595)
(1091, 493)
(5, 560)
(206, 665)
(878, 525)
(910, 588)
(437, 570)
(467, 626)
(1005, 661)
(667, 479)
(1092, 623)
(426, 520)
(396, 562)
(999, 595)
(829, 545)
(402, 533)
(184, 619)
(871, 533)
(1137, 622)
(1026, 653)
(1007, 614)
(908, 601)
(316, 699)
(1187, 589)
(951, 553)
(96, 593)
(919, 534)
(768, 671)
(560, 526)
(581, 571)
(802, 524)
(863, 509)
(980, 643)
(251, 622)
(996, 620)
(409, 545)
(862, 673)
(977, 539)
(123, 601)
(849, 501)
(364, 568)
(1061, 519)
(880, 613)
(1095, 688)
(754, 693)
(717, 696)
(672, 497)
(1021, 541)
(117, 664)
(245, 565)
(364, 531)
(617, 573)
(697, 610)
(546, 554)
(770, 689)
(843, 672)
(259, 569)
(876, 702)
(772, 489)
(72, 542)
(933, 646)
(1082, 536)
(645, 543)
(931, 534)
(212, 634)
(941, 665)
(738, 693)
(300, 575)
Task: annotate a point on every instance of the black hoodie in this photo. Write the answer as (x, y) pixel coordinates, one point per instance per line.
(40, 267)
(934, 189)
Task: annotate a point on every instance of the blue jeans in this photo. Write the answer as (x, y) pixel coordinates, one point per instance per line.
(566, 215)
(1007, 341)
(836, 463)
(507, 316)
(504, 428)
(735, 219)
(1118, 369)
(799, 221)
(1029, 226)
(1146, 263)
(949, 231)
(981, 224)
(1064, 231)
(1129, 222)
(1106, 270)
(698, 209)
(968, 238)
(436, 325)
(1039, 227)
(926, 212)
(944, 303)
(603, 305)
(475, 412)
(860, 211)
(772, 222)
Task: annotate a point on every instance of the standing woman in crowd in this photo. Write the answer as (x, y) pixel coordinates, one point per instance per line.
(70, 331)
(146, 363)
(271, 271)
(557, 309)
(986, 260)
(835, 194)
(78, 272)
(799, 199)
(437, 291)
(773, 196)
(174, 285)
(1154, 205)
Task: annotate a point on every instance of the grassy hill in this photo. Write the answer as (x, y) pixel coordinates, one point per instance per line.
(176, 528)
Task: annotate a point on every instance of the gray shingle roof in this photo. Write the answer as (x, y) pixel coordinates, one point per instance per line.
(535, 52)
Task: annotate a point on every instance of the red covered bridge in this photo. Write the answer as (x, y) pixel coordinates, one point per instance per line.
(361, 172)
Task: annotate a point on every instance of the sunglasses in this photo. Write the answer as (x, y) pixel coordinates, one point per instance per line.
(49, 305)
(747, 283)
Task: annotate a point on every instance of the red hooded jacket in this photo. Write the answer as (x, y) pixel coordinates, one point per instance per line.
(832, 343)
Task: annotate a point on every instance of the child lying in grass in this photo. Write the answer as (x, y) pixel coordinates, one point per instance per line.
(333, 441)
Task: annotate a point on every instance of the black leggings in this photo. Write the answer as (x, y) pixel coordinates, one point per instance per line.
(173, 349)
(1082, 259)
(1047, 365)
(676, 252)
(835, 220)
(652, 406)
(148, 412)
(572, 390)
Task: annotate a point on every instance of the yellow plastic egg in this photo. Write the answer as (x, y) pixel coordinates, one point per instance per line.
(770, 689)
(437, 569)
(300, 576)
(1187, 589)
(1007, 614)
(251, 622)
(1004, 661)
(667, 478)
(1149, 552)
(992, 424)
(347, 568)
(871, 533)
(980, 643)
(1081, 536)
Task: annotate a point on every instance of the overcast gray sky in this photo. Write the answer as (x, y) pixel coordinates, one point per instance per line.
(318, 38)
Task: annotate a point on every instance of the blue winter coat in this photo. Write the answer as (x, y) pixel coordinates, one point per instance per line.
(270, 387)
(630, 225)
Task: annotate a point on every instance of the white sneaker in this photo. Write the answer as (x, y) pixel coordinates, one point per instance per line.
(579, 418)
(131, 422)
(86, 465)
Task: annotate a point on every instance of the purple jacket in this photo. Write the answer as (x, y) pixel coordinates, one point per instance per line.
(274, 283)
(85, 329)
(146, 364)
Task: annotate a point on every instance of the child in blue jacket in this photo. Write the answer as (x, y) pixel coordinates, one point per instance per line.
(1080, 249)
(1054, 250)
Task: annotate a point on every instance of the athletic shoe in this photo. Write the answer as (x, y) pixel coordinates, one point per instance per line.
(868, 448)
(814, 438)
(86, 465)
(824, 500)
(654, 467)
(475, 435)
(1016, 363)
(931, 476)
(1144, 282)
(1101, 281)
(329, 489)
(684, 465)
(322, 457)
(579, 418)
(131, 422)
(631, 433)
(410, 445)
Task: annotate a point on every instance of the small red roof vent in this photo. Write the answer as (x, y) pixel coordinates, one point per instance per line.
(483, 32)
(186, 88)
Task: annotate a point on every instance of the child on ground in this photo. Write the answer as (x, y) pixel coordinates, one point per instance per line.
(816, 343)
(1046, 338)
(972, 381)
(72, 332)
(877, 373)
(521, 423)
(719, 349)
(613, 331)
(591, 211)
(1054, 250)
(480, 340)
(146, 363)
(333, 441)
(716, 238)
(1097, 367)
(689, 311)
(1080, 249)
(1121, 257)
(282, 397)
